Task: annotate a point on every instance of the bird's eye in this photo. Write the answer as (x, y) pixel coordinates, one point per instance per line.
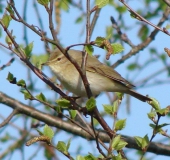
(58, 59)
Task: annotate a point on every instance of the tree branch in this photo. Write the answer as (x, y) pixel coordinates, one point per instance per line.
(156, 148)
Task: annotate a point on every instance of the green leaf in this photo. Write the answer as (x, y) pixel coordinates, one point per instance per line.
(99, 41)
(142, 142)
(117, 143)
(120, 124)
(11, 78)
(155, 104)
(90, 157)
(27, 95)
(108, 109)
(115, 106)
(6, 20)
(89, 49)
(63, 102)
(138, 141)
(163, 57)
(101, 3)
(95, 122)
(64, 5)
(79, 157)
(61, 146)
(163, 112)
(118, 157)
(28, 50)
(79, 19)
(145, 142)
(48, 131)
(8, 40)
(10, 10)
(68, 144)
(37, 60)
(41, 97)
(121, 9)
(151, 115)
(73, 113)
(120, 145)
(109, 32)
(119, 95)
(117, 48)
(143, 32)
(43, 2)
(91, 104)
(133, 66)
(21, 83)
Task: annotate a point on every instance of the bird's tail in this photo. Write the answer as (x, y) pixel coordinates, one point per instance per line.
(139, 96)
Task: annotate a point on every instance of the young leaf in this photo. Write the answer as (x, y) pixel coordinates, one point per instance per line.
(145, 142)
(73, 113)
(43, 2)
(99, 41)
(79, 19)
(68, 144)
(132, 66)
(155, 104)
(89, 49)
(61, 146)
(90, 157)
(120, 124)
(151, 115)
(10, 10)
(117, 143)
(138, 140)
(21, 83)
(11, 78)
(79, 157)
(48, 132)
(41, 97)
(63, 102)
(101, 3)
(6, 20)
(163, 111)
(91, 104)
(120, 145)
(27, 95)
(28, 50)
(117, 48)
(108, 109)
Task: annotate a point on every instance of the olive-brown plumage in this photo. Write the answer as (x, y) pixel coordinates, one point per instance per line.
(100, 77)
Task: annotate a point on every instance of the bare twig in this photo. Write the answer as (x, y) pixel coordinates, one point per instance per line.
(6, 121)
(139, 17)
(143, 45)
(7, 64)
(123, 36)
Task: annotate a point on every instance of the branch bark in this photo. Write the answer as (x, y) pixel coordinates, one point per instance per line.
(21, 108)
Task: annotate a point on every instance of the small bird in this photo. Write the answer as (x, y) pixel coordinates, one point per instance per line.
(101, 78)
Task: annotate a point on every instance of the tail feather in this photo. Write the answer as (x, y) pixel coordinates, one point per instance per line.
(138, 96)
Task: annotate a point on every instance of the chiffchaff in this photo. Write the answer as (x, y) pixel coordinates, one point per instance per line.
(100, 77)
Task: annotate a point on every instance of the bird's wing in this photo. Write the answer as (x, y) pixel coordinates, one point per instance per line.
(94, 65)
(106, 71)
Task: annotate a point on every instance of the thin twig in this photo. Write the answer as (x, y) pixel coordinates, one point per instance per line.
(143, 45)
(6, 121)
(139, 17)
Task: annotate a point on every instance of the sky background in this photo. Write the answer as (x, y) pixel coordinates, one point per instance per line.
(137, 121)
